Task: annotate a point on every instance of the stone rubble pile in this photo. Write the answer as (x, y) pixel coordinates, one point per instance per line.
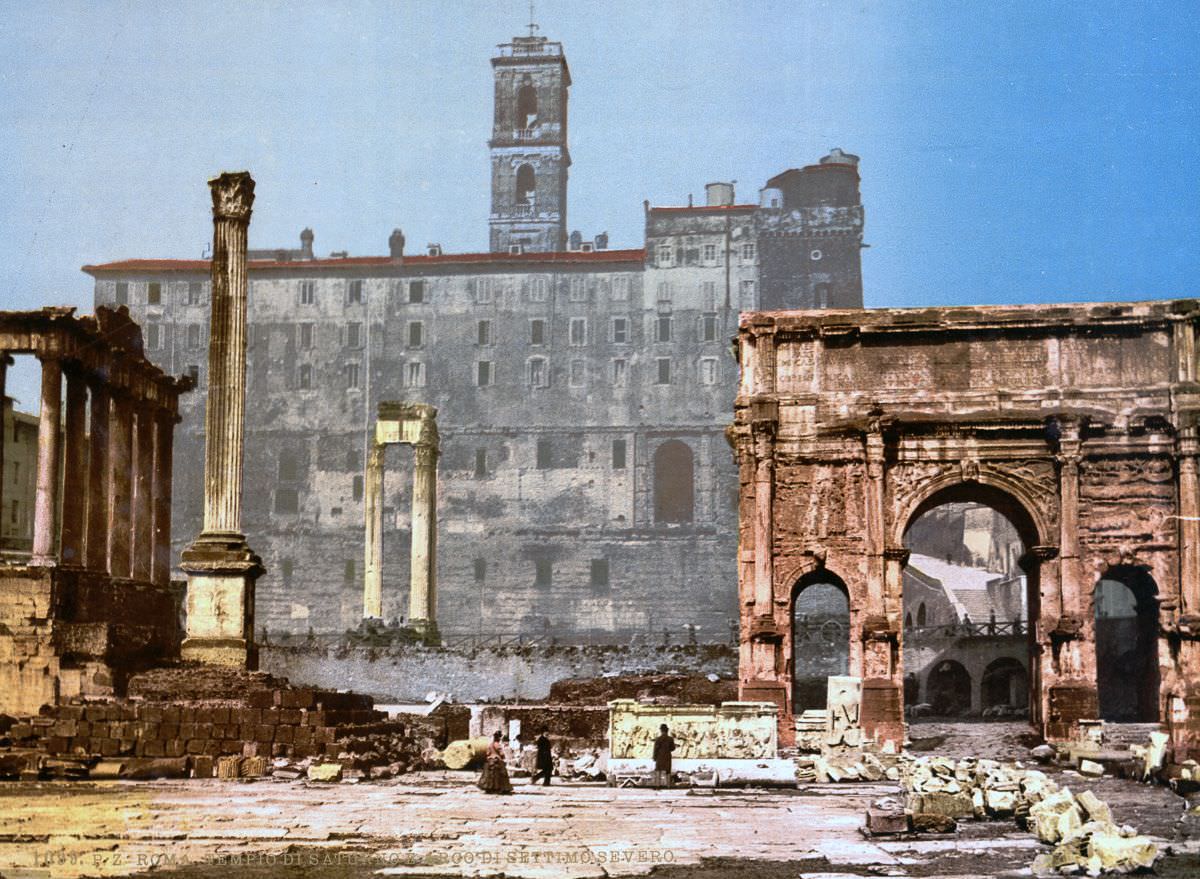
(940, 791)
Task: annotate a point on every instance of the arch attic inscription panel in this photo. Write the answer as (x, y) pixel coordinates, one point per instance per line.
(1077, 422)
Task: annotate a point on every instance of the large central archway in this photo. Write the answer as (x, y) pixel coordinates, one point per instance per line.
(967, 648)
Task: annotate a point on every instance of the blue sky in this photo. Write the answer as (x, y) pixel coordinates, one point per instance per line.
(1011, 152)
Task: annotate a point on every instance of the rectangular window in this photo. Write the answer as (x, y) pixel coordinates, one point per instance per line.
(308, 292)
(618, 454)
(620, 330)
(416, 292)
(416, 334)
(154, 293)
(619, 369)
(305, 378)
(577, 373)
(357, 487)
(599, 576)
(480, 463)
(537, 332)
(287, 500)
(662, 329)
(578, 289)
(483, 291)
(708, 370)
(153, 337)
(354, 293)
(708, 295)
(306, 335)
(710, 253)
(122, 293)
(545, 454)
(354, 335)
(195, 292)
(537, 290)
(193, 372)
(620, 288)
(193, 335)
(483, 373)
(538, 375)
(708, 328)
(348, 573)
(15, 514)
(748, 251)
(351, 376)
(543, 573)
(416, 374)
(579, 331)
(480, 570)
(664, 371)
(747, 295)
(664, 291)
(483, 333)
(664, 255)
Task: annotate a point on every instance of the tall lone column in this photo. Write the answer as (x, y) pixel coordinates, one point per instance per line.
(1189, 526)
(5, 362)
(373, 513)
(75, 471)
(120, 486)
(49, 436)
(422, 596)
(142, 551)
(164, 430)
(220, 566)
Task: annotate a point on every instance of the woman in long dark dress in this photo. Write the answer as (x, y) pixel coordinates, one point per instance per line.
(494, 779)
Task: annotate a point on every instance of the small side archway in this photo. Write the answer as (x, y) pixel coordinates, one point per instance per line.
(1004, 684)
(820, 637)
(1126, 614)
(948, 686)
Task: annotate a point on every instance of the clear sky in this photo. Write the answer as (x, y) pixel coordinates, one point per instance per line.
(1011, 152)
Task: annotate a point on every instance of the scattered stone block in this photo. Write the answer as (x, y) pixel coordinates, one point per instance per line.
(926, 822)
(1096, 809)
(881, 821)
(325, 772)
(229, 767)
(1091, 768)
(202, 766)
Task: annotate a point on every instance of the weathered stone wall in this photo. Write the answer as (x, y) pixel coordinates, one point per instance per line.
(407, 675)
(734, 730)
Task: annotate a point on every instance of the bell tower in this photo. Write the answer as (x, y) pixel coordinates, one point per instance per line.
(529, 146)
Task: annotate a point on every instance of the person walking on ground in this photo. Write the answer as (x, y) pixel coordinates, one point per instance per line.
(663, 746)
(545, 759)
(494, 779)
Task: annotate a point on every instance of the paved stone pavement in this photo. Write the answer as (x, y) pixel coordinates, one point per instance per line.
(440, 824)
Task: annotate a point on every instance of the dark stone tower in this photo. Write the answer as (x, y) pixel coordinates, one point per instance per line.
(529, 146)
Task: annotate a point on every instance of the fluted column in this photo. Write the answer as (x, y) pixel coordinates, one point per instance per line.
(96, 539)
(75, 471)
(221, 568)
(1189, 524)
(120, 486)
(5, 362)
(164, 432)
(373, 520)
(142, 549)
(422, 601)
(48, 462)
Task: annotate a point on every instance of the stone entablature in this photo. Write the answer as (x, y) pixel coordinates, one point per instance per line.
(733, 730)
(1078, 422)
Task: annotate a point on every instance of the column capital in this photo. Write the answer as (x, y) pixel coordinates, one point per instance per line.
(232, 196)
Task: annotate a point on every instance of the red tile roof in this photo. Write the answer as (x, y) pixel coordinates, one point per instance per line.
(563, 257)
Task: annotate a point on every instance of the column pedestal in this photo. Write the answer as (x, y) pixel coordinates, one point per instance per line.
(222, 572)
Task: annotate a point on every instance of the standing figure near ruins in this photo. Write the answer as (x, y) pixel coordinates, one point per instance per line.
(494, 779)
(663, 746)
(545, 759)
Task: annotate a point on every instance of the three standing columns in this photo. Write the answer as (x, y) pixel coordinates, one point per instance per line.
(411, 424)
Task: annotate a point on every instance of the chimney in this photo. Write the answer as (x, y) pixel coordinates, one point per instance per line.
(396, 245)
(306, 244)
(575, 240)
(602, 241)
(720, 195)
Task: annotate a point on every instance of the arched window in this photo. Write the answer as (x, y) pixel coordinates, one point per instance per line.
(526, 184)
(821, 296)
(674, 492)
(921, 614)
(527, 109)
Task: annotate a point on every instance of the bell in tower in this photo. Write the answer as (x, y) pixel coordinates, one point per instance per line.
(529, 146)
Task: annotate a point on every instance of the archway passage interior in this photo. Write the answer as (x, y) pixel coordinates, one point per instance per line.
(820, 637)
(1127, 676)
(966, 596)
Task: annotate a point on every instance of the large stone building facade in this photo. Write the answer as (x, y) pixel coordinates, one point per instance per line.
(585, 484)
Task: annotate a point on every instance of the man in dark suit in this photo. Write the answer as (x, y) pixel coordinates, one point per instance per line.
(545, 759)
(663, 746)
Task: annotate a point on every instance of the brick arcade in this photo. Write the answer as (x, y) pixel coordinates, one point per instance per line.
(1077, 422)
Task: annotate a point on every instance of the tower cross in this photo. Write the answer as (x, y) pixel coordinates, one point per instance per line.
(532, 26)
